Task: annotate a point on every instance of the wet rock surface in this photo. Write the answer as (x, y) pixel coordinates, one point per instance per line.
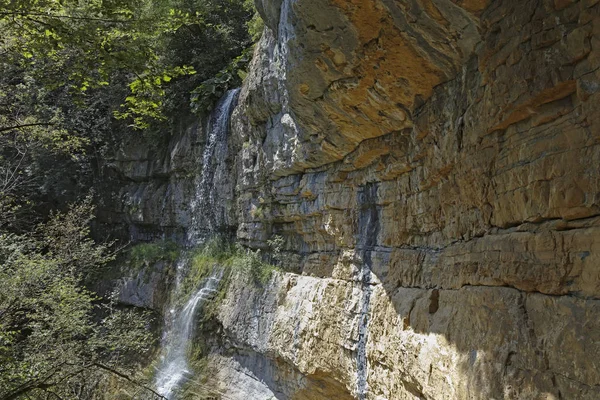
(156, 182)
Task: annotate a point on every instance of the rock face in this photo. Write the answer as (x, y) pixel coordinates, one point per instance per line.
(155, 185)
(434, 169)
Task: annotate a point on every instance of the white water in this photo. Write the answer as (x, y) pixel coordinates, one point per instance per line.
(174, 368)
(203, 205)
(281, 52)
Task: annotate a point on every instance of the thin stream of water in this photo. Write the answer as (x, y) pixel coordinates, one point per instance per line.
(202, 205)
(174, 368)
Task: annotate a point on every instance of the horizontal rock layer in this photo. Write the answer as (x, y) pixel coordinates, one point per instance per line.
(433, 168)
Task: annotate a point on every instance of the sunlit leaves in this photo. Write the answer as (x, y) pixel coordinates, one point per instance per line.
(85, 44)
(147, 92)
(50, 335)
(82, 44)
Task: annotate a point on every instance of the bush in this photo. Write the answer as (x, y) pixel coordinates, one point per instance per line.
(55, 335)
(218, 253)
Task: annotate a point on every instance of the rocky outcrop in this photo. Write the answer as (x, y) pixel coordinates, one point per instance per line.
(433, 168)
(155, 182)
(476, 342)
(151, 182)
(332, 75)
(146, 287)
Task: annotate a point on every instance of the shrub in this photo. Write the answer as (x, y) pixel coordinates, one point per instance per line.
(55, 334)
(218, 253)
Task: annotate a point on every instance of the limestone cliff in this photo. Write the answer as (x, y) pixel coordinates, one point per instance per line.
(155, 184)
(434, 169)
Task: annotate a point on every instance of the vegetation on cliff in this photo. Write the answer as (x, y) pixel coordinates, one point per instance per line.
(77, 78)
(232, 258)
(56, 337)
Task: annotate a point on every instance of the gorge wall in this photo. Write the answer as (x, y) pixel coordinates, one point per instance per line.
(433, 167)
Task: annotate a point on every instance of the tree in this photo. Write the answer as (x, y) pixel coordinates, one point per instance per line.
(68, 66)
(84, 44)
(56, 337)
(90, 44)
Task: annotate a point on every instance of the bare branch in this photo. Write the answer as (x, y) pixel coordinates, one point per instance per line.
(127, 378)
(10, 128)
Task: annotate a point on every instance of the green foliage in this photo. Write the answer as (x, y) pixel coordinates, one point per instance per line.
(218, 253)
(217, 50)
(276, 244)
(144, 254)
(83, 44)
(205, 95)
(256, 25)
(251, 262)
(51, 342)
(89, 47)
(35, 174)
(145, 102)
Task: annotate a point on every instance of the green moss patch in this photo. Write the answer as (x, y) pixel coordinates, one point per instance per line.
(143, 254)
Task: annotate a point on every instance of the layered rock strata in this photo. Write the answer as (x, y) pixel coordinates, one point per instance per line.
(433, 167)
(155, 184)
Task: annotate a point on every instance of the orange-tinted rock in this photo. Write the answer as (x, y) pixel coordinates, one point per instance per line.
(477, 124)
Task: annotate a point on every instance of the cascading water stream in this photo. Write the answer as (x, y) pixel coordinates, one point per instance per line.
(215, 151)
(174, 367)
(368, 230)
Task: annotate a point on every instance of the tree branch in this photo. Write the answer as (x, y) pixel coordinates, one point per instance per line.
(127, 378)
(42, 385)
(10, 128)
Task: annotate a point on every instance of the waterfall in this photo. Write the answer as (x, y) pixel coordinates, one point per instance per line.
(281, 53)
(368, 230)
(174, 368)
(203, 205)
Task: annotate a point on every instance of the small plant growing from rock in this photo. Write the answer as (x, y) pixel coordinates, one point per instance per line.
(144, 254)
